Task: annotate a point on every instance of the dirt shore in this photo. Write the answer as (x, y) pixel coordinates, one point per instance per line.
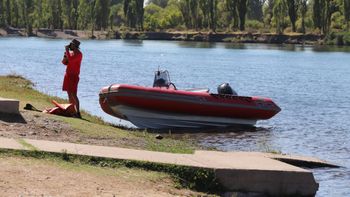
(235, 37)
(37, 125)
(31, 177)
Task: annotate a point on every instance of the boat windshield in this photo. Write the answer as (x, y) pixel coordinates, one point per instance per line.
(161, 79)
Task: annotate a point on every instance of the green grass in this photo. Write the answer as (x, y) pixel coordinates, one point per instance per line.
(26, 145)
(17, 87)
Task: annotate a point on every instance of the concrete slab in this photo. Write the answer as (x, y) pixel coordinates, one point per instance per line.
(236, 171)
(10, 106)
(7, 143)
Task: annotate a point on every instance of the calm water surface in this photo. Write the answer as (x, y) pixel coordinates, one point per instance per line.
(311, 85)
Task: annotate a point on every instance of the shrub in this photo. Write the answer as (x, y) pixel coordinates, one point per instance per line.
(346, 38)
(337, 20)
(254, 24)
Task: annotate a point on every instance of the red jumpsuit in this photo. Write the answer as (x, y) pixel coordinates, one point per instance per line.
(71, 78)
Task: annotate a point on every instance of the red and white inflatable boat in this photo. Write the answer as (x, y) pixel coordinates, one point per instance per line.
(163, 106)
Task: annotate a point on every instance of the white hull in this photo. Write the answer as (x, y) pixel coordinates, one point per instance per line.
(160, 120)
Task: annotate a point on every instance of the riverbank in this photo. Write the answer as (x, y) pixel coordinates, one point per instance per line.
(234, 37)
(53, 175)
(89, 130)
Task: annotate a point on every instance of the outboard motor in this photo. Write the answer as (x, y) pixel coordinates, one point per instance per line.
(225, 88)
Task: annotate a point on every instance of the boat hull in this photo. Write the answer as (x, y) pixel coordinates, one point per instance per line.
(160, 108)
(160, 120)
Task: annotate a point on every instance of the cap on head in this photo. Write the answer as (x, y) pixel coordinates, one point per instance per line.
(75, 42)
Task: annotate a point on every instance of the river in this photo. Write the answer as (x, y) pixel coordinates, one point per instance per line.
(310, 84)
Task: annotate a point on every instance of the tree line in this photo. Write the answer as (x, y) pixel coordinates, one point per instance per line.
(315, 16)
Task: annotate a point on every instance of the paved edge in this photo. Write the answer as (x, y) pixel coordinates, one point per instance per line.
(236, 171)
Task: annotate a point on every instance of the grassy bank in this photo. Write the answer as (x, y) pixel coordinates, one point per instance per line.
(86, 130)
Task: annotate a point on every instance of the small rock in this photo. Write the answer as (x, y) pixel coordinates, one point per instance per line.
(32, 133)
(159, 137)
(22, 134)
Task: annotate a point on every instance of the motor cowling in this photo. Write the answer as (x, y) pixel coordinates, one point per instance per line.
(225, 88)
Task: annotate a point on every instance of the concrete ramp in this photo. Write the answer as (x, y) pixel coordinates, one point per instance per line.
(236, 171)
(256, 172)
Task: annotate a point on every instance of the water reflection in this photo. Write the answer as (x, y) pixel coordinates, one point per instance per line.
(326, 48)
(281, 47)
(186, 44)
(133, 43)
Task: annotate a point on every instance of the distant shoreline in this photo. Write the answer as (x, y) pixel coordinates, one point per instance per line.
(265, 38)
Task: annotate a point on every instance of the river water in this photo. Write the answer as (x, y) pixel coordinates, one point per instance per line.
(310, 84)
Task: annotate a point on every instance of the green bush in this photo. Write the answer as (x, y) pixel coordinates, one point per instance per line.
(346, 38)
(337, 20)
(338, 38)
(254, 24)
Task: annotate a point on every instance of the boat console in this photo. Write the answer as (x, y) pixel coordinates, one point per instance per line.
(162, 79)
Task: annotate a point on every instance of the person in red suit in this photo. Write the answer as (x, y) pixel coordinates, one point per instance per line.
(72, 59)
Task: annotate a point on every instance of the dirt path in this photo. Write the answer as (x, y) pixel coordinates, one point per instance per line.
(31, 177)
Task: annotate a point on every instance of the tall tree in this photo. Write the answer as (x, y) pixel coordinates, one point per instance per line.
(8, 12)
(303, 11)
(74, 14)
(130, 13)
(292, 12)
(102, 13)
(2, 13)
(330, 6)
(212, 14)
(92, 16)
(67, 13)
(194, 13)
(317, 13)
(38, 14)
(28, 9)
(242, 11)
(15, 13)
(139, 13)
(268, 12)
(83, 14)
(184, 7)
(255, 11)
(347, 12)
(205, 8)
(279, 13)
(322, 13)
(231, 6)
